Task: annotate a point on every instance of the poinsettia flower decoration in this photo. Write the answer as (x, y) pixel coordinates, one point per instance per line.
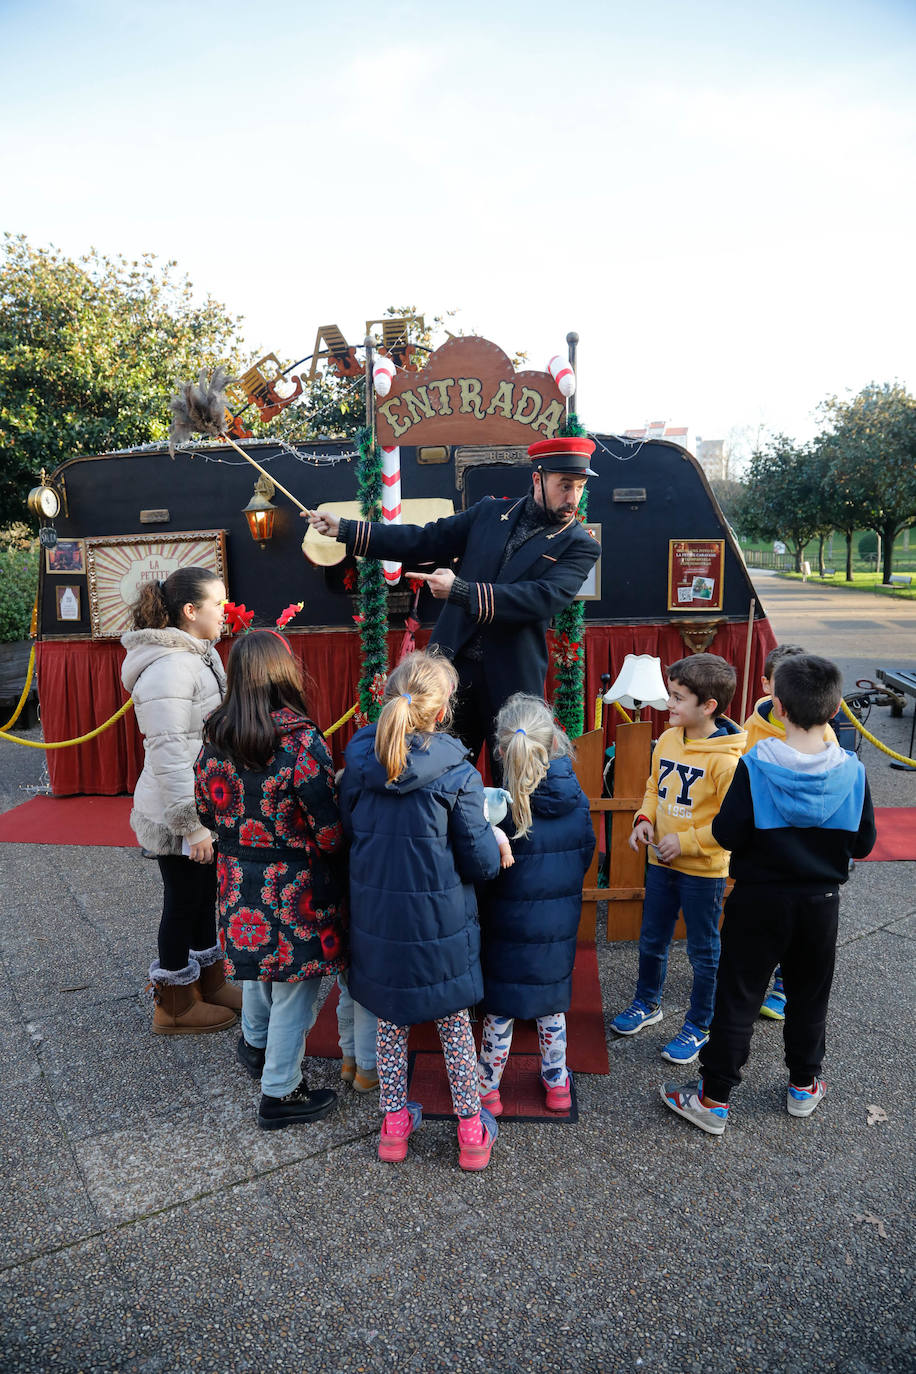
(567, 650)
(286, 616)
(237, 617)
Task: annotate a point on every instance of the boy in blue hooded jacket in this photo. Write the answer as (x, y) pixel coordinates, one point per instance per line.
(797, 811)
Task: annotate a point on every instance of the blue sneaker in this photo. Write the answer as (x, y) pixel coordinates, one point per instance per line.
(774, 1004)
(685, 1100)
(637, 1015)
(686, 1045)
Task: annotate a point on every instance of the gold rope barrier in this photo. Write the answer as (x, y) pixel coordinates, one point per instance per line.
(66, 743)
(343, 720)
(871, 739)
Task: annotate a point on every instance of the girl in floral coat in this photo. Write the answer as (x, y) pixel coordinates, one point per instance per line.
(265, 784)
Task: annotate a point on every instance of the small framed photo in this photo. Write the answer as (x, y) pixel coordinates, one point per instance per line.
(67, 556)
(591, 587)
(68, 602)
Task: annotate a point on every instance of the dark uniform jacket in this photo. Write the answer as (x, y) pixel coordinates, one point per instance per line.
(418, 846)
(511, 606)
(529, 914)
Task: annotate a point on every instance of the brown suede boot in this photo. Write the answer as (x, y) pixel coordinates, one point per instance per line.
(179, 1007)
(213, 986)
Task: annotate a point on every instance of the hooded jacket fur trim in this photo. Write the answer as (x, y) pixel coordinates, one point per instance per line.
(176, 681)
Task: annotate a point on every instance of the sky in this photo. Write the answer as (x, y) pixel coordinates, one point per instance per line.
(719, 198)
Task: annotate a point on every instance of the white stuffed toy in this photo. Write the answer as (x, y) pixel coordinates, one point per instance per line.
(496, 802)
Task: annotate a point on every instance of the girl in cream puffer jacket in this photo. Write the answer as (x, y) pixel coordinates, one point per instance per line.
(176, 679)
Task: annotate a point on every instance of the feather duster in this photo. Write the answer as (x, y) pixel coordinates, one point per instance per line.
(199, 407)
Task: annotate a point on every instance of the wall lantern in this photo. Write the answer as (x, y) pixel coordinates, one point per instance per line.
(260, 511)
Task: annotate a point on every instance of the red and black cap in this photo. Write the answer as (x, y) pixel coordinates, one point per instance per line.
(563, 455)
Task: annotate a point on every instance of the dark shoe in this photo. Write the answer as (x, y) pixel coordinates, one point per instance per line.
(296, 1108)
(250, 1057)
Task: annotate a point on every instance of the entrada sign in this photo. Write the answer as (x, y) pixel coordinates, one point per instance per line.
(469, 393)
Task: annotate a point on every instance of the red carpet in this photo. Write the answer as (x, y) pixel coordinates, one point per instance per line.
(69, 820)
(520, 1090)
(587, 1050)
(896, 827)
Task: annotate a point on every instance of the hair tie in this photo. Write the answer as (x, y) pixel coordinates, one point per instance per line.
(520, 731)
(408, 698)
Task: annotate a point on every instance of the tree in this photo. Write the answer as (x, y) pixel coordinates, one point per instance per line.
(785, 496)
(845, 505)
(90, 351)
(730, 495)
(873, 446)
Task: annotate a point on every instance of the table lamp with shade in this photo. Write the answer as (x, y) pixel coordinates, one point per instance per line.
(639, 683)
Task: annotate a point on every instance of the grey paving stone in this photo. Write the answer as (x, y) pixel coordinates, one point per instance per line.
(45, 1200)
(67, 1311)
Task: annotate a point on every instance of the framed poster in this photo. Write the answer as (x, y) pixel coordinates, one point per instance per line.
(67, 556)
(591, 587)
(67, 600)
(117, 568)
(695, 574)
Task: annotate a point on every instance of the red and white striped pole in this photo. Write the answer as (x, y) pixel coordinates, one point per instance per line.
(391, 503)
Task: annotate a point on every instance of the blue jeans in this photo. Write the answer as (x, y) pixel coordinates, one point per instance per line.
(700, 899)
(276, 1018)
(356, 1029)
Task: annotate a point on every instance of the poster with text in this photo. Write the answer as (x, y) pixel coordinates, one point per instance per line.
(695, 574)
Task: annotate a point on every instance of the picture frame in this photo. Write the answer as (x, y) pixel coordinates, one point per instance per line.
(118, 565)
(68, 556)
(67, 600)
(591, 587)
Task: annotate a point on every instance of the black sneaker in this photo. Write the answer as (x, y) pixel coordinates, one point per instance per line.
(295, 1108)
(250, 1058)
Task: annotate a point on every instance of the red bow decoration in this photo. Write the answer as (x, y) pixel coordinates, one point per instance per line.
(286, 616)
(237, 617)
(567, 651)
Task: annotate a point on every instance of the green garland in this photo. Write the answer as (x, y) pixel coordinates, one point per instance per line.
(569, 634)
(373, 595)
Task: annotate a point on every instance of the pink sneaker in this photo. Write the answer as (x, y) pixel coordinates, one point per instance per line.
(558, 1095)
(396, 1128)
(492, 1101)
(476, 1135)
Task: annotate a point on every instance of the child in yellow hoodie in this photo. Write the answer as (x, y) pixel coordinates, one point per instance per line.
(763, 723)
(692, 768)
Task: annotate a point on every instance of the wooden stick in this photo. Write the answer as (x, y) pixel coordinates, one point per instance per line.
(747, 659)
(248, 458)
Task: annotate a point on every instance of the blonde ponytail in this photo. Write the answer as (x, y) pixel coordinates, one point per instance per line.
(527, 738)
(416, 691)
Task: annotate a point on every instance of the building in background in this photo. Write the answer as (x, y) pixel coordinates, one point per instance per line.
(709, 453)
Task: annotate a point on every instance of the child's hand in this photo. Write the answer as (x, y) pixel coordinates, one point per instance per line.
(506, 857)
(643, 833)
(669, 848)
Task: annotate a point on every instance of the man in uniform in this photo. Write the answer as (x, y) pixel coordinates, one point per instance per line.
(520, 563)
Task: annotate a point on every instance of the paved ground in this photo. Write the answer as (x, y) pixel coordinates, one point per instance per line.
(149, 1226)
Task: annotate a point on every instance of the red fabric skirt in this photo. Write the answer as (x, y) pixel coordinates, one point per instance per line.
(79, 685)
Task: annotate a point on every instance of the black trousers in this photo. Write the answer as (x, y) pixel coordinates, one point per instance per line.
(188, 909)
(765, 926)
(474, 712)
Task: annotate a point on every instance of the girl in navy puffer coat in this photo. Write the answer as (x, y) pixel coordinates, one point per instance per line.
(412, 807)
(530, 914)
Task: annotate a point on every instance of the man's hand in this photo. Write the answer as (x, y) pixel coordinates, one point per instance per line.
(643, 833)
(324, 521)
(439, 582)
(669, 848)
